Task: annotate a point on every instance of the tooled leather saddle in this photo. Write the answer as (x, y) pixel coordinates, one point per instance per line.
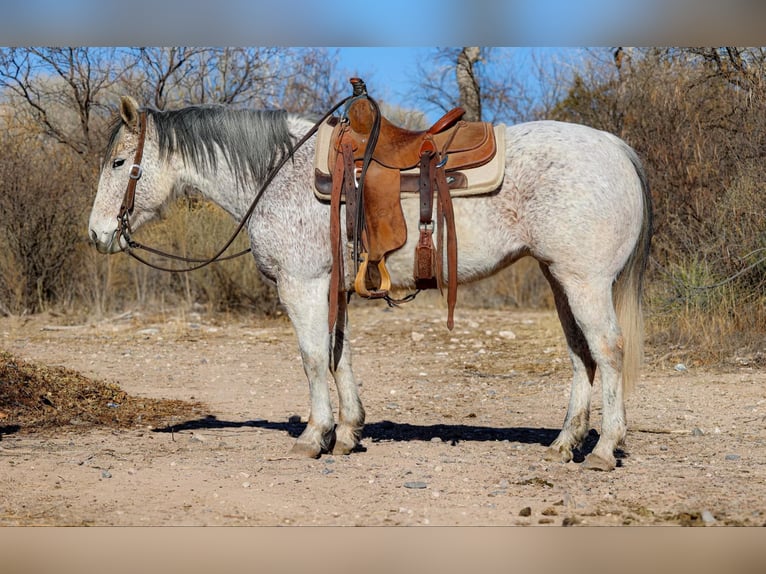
(371, 163)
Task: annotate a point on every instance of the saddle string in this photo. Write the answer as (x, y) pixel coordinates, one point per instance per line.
(123, 217)
(391, 302)
(360, 91)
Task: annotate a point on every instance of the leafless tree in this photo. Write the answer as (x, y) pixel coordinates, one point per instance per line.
(468, 83)
(62, 88)
(510, 85)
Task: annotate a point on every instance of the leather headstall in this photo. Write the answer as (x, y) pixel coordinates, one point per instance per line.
(128, 200)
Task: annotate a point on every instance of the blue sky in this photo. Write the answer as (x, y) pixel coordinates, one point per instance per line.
(389, 72)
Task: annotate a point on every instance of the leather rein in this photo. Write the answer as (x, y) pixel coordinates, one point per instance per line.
(128, 204)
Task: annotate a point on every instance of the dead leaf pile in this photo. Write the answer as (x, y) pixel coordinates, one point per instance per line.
(38, 397)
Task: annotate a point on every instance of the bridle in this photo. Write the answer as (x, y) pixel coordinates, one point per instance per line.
(128, 203)
(128, 200)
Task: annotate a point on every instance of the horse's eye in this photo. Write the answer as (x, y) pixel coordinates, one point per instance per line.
(117, 163)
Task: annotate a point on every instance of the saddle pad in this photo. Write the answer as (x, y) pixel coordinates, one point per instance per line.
(480, 180)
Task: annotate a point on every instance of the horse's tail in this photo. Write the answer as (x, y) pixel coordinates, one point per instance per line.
(628, 287)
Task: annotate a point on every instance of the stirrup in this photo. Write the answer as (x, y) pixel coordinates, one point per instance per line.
(360, 282)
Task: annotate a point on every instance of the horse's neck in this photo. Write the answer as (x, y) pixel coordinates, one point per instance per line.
(225, 189)
(220, 187)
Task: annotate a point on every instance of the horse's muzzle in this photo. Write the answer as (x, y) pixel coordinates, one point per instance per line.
(106, 241)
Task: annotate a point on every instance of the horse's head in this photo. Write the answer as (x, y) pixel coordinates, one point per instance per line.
(133, 185)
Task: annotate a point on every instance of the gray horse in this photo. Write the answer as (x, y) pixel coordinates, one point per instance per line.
(574, 198)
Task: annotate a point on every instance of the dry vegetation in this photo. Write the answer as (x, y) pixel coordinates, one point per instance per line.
(696, 116)
(37, 398)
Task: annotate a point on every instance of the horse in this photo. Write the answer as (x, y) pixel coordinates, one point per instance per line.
(574, 198)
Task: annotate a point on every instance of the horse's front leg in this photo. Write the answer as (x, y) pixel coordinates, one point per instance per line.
(350, 410)
(306, 304)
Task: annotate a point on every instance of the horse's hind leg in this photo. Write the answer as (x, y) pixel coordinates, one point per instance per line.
(578, 413)
(591, 307)
(306, 304)
(350, 410)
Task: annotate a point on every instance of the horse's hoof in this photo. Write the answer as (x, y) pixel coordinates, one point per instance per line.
(340, 449)
(346, 439)
(304, 450)
(595, 462)
(557, 454)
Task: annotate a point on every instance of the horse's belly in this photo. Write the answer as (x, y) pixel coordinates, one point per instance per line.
(485, 240)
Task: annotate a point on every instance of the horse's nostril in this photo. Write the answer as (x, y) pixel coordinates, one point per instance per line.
(93, 237)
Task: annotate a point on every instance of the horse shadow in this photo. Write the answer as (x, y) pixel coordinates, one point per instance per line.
(9, 430)
(386, 430)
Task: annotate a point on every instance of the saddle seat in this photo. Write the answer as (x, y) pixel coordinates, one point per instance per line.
(464, 144)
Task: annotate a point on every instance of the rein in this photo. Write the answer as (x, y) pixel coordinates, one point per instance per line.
(136, 171)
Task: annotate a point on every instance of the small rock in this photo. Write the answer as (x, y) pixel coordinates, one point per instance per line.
(680, 367)
(707, 517)
(506, 334)
(697, 431)
(732, 457)
(417, 336)
(526, 511)
(106, 474)
(415, 484)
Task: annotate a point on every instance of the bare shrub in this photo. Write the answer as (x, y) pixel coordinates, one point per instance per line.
(700, 131)
(42, 211)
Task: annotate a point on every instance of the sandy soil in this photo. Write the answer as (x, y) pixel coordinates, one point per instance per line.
(457, 426)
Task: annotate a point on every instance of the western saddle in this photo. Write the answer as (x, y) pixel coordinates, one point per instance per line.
(371, 162)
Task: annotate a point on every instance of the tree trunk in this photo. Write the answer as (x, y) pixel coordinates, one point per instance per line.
(470, 98)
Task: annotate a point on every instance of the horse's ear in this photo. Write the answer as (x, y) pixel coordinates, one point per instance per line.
(129, 112)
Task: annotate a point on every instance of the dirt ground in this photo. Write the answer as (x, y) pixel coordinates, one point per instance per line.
(457, 423)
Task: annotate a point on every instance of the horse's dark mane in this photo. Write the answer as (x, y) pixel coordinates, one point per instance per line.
(252, 141)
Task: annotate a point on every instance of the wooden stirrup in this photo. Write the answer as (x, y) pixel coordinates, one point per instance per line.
(360, 282)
